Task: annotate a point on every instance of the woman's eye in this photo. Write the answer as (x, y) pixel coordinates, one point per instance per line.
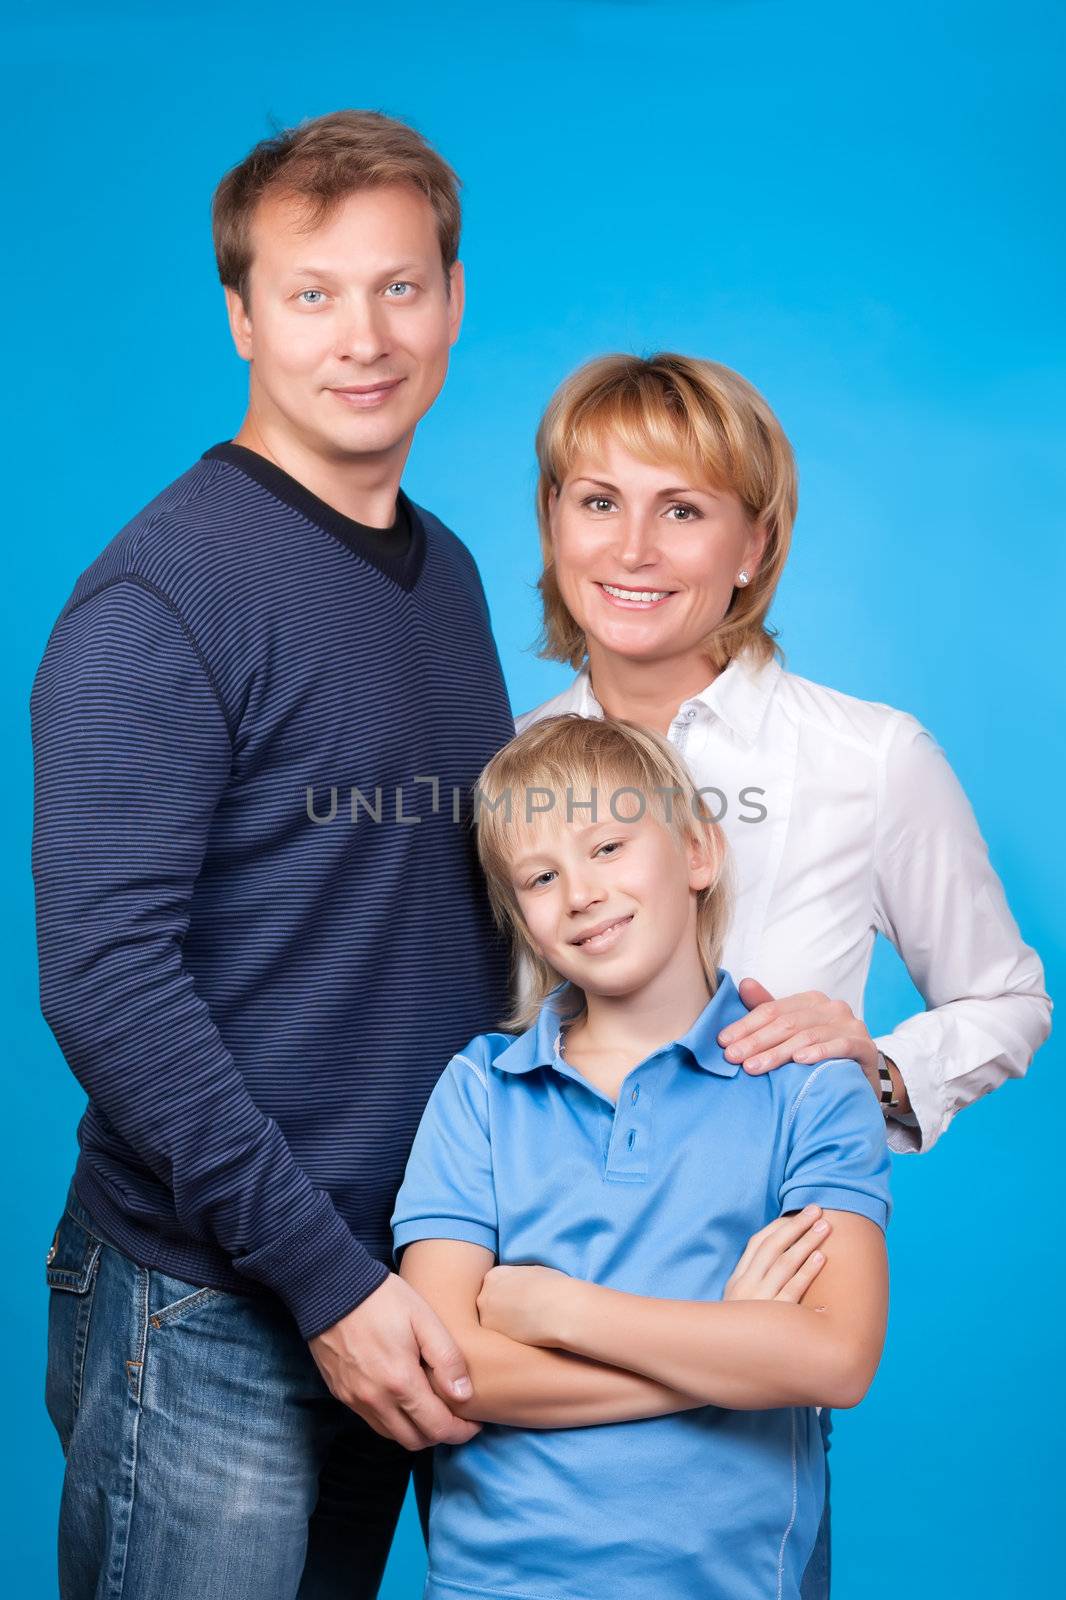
(310, 297)
(598, 502)
(687, 513)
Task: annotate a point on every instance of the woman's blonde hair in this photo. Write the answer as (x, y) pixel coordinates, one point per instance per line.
(677, 410)
(571, 759)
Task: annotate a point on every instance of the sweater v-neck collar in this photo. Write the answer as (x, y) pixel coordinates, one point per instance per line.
(368, 544)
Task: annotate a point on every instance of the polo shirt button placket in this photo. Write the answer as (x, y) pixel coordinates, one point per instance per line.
(626, 1151)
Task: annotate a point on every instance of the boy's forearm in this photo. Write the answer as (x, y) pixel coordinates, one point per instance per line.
(743, 1355)
(524, 1387)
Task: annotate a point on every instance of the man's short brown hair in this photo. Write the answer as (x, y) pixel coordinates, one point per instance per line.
(320, 163)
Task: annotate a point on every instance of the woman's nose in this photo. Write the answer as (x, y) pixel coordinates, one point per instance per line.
(637, 543)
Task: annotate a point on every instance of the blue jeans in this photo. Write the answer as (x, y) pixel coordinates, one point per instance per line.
(816, 1574)
(204, 1454)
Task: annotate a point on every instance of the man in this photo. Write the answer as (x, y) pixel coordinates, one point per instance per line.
(262, 932)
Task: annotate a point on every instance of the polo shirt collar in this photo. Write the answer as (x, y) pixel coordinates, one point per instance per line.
(738, 697)
(537, 1046)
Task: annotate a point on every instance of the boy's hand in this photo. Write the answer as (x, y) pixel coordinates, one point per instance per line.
(372, 1362)
(781, 1261)
(523, 1302)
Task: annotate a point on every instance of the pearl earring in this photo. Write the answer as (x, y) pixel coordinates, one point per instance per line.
(743, 577)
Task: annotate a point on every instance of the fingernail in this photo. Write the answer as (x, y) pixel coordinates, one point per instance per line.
(821, 1227)
(732, 1053)
(803, 1055)
(725, 1036)
(463, 1388)
(817, 1256)
(810, 1210)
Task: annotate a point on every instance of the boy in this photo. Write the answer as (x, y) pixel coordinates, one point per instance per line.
(608, 1154)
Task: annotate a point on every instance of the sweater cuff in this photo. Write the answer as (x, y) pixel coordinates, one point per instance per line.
(318, 1268)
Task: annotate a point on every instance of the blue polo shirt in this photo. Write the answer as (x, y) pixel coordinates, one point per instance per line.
(654, 1195)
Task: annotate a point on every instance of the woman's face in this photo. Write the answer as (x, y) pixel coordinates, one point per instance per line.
(646, 559)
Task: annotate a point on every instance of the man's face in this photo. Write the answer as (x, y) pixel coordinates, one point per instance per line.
(348, 327)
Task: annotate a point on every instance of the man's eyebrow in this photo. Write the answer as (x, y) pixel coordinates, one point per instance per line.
(392, 271)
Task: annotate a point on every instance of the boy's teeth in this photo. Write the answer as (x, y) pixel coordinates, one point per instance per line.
(637, 594)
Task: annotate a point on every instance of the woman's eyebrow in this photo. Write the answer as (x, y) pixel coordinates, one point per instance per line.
(660, 494)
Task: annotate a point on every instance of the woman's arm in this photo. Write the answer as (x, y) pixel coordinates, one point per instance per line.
(744, 1356)
(939, 901)
(515, 1383)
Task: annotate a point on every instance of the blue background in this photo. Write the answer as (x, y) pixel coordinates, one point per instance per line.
(858, 207)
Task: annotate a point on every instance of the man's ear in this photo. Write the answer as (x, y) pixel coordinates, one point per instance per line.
(240, 323)
(456, 300)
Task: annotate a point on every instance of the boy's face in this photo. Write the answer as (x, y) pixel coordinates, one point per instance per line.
(348, 327)
(609, 904)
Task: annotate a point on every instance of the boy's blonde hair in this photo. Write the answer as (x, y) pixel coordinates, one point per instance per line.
(673, 410)
(568, 757)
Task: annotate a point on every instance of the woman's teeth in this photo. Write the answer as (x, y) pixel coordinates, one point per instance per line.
(643, 596)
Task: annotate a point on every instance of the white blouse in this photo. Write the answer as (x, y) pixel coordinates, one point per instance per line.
(845, 820)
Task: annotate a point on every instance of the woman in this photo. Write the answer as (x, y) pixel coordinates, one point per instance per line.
(666, 499)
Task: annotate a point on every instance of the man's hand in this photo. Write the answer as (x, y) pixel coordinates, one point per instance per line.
(781, 1261)
(372, 1360)
(805, 1027)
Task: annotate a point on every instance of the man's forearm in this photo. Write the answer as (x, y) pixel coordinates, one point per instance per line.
(524, 1387)
(743, 1355)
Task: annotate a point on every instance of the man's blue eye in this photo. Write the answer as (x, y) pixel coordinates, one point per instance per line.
(401, 285)
(305, 292)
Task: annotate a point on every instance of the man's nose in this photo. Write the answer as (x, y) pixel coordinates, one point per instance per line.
(362, 330)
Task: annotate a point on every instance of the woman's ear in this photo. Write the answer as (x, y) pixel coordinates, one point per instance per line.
(553, 510)
(755, 548)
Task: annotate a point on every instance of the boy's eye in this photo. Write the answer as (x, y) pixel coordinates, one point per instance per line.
(612, 845)
(541, 878)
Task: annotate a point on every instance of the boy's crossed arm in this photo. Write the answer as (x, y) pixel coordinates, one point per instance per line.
(548, 1351)
(516, 1383)
(741, 1355)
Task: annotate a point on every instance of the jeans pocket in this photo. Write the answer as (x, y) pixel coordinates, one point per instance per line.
(71, 1267)
(181, 1299)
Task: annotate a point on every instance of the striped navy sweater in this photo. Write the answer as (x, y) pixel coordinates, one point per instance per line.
(261, 926)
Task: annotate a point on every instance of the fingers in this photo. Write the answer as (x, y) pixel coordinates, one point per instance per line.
(440, 1351)
(793, 1291)
(781, 1235)
(781, 1271)
(767, 1247)
(430, 1417)
(777, 1030)
(770, 1011)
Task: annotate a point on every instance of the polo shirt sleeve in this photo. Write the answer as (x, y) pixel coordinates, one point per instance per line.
(837, 1151)
(448, 1190)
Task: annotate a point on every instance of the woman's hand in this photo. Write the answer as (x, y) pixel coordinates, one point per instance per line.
(782, 1260)
(523, 1302)
(807, 1028)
